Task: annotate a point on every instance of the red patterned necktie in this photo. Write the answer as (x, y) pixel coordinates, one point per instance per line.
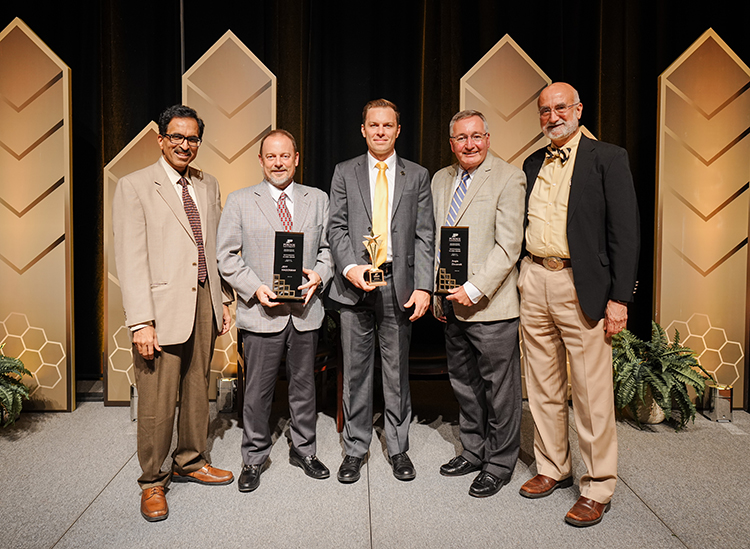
(195, 223)
(284, 215)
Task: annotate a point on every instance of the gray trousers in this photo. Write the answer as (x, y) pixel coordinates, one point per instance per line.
(263, 353)
(485, 372)
(377, 313)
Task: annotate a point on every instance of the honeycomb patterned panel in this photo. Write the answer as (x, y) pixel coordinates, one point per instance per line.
(45, 359)
(719, 357)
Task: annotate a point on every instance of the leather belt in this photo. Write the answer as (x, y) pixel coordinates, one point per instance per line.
(552, 262)
(387, 268)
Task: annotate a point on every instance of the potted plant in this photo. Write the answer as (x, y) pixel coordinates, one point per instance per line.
(658, 370)
(12, 389)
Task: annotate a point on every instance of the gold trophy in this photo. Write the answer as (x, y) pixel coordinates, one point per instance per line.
(375, 276)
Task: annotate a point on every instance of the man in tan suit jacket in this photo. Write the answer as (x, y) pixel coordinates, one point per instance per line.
(165, 218)
(485, 194)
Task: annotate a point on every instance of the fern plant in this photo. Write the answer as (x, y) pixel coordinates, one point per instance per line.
(12, 389)
(663, 367)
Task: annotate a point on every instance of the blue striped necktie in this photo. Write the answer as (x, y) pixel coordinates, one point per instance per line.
(458, 197)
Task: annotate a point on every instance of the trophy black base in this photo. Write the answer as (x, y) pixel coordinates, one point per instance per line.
(287, 299)
(375, 277)
(444, 291)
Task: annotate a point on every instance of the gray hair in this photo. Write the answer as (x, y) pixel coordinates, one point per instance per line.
(466, 114)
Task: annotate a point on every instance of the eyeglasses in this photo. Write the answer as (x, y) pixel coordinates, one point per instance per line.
(179, 139)
(463, 139)
(560, 110)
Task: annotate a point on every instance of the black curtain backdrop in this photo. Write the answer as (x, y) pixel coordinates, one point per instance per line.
(332, 57)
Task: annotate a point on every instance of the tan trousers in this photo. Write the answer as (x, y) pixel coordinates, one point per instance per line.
(178, 370)
(551, 322)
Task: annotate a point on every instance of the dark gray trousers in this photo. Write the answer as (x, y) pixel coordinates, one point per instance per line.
(377, 313)
(485, 372)
(263, 353)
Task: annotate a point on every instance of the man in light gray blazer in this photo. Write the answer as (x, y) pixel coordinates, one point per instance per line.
(485, 194)
(402, 217)
(245, 252)
(164, 219)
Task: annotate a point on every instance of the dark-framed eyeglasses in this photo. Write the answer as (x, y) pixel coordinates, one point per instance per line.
(463, 139)
(560, 110)
(179, 139)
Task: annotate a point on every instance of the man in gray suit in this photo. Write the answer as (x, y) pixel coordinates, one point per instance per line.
(164, 219)
(381, 194)
(485, 194)
(245, 251)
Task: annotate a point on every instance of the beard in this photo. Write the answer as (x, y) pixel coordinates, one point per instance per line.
(280, 181)
(561, 131)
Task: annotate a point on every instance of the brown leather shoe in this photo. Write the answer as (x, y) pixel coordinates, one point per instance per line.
(206, 475)
(541, 486)
(154, 504)
(586, 512)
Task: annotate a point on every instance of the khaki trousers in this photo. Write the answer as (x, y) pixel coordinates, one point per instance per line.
(551, 322)
(178, 370)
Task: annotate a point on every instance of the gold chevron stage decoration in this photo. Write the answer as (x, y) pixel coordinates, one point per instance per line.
(701, 264)
(36, 251)
(504, 86)
(235, 94)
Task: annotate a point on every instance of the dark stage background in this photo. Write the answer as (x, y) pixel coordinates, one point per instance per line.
(332, 57)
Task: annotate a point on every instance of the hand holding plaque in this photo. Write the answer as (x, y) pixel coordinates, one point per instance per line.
(454, 253)
(374, 276)
(287, 266)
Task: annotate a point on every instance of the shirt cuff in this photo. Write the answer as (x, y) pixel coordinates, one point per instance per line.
(474, 294)
(139, 326)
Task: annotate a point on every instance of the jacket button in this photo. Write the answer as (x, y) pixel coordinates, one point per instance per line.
(194, 289)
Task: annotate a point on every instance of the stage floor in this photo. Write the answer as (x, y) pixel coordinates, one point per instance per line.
(69, 480)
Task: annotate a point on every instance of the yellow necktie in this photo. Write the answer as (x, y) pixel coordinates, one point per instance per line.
(380, 213)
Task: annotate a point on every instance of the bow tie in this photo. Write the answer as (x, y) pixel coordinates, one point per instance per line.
(554, 152)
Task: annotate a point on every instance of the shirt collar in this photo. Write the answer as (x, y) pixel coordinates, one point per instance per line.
(372, 161)
(276, 192)
(173, 175)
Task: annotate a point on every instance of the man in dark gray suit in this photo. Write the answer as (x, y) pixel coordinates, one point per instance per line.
(383, 195)
(245, 252)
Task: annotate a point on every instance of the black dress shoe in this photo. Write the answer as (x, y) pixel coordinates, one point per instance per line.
(311, 465)
(485, 485)
(249, 478)
(349, 469)
(403, 468)
(457, 467)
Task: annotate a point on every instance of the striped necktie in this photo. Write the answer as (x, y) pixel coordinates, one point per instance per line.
(284, 215)
(195, 223)
(458, 197)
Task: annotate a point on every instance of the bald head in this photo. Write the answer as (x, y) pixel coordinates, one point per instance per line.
(559, 112)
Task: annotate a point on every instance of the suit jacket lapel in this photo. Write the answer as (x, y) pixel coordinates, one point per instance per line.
(165, 189)
(201, 194)
(481, 175)
(398, 185)
(581, 170)
(450, 177)
(267, 206)
(301, 207)
(363, 180)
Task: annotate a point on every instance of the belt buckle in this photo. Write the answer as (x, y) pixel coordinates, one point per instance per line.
(553, 263)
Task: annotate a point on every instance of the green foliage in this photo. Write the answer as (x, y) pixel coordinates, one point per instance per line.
(663, 367)
(12, 390)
